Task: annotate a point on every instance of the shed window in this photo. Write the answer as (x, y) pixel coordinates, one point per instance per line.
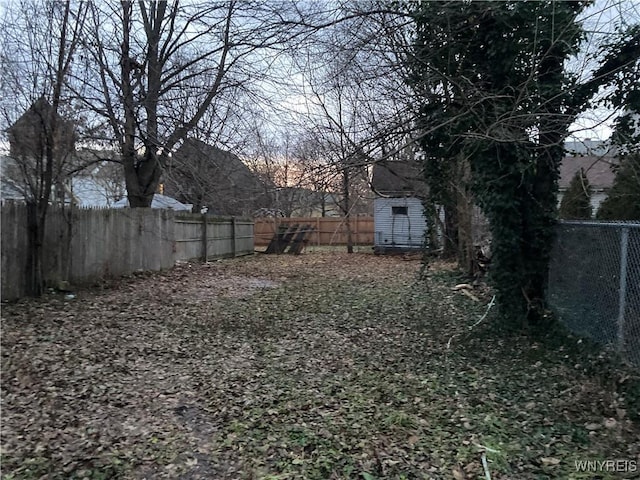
(399, 211)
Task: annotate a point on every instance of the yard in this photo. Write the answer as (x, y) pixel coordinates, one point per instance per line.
(320, 366)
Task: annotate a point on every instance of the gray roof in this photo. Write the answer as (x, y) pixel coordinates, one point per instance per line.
(159, 201)
(199, 172)
(398, 178)
(597, 168)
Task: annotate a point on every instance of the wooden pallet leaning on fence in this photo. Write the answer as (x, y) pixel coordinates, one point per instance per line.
(294, 237)
(301, 239)
(281, 239)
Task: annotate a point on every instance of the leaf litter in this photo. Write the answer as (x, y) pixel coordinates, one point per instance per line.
(323, 365)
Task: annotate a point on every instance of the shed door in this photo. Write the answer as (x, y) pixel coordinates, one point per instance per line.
(400, 225)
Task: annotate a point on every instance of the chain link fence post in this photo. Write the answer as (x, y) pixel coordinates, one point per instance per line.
(624, 257)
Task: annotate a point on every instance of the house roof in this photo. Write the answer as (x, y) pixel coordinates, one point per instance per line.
(226, 165)
(401, 178)
(597, 169)
(587, 146)
(199, 172)
(26, 134)
(398, 178)
(35, 114)
(159, 201)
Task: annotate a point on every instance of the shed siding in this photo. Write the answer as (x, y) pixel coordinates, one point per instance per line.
(399, 231)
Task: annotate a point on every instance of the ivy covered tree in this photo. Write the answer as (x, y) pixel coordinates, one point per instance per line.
(623, 200)
(576, 202)
(492, 75)
(495, 92)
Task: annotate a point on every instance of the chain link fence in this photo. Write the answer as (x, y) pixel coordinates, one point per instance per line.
(594, 283)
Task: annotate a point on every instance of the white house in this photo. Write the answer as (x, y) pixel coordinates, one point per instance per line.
(10, 187)
(98, 185)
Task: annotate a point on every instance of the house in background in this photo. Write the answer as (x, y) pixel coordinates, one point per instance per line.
(399, 221)
(94, 180)
(398, 213)
(597, 159)
(209, 177)
(25, 171)
(84, 177)
(12, 188)
(99, 181)
(99, 185)
(27, 135)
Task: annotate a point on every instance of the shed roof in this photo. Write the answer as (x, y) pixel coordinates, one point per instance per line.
(398, 178)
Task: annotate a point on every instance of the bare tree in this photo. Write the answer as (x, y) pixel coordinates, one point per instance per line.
(357, 110)
(162, 67)
(294, 172)
(281, 175)
(41, 140)
(318, 175)
(337, 129)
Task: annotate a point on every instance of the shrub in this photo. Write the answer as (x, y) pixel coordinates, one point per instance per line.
(576, 202)
(623, 200)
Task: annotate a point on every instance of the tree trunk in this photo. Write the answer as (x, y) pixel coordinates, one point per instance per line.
(538, 236)
(347, 207)
(136, 173)
(35, 241)
(540, 215)
(465, 233)
(465, 247)
(450, 240)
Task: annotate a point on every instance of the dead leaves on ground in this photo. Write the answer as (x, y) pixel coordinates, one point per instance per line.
(320, 366)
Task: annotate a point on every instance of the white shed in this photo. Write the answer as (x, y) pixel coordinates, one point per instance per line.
(399, 223)
(398, 213)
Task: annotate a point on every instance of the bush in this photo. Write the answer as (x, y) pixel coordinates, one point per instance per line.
(623, 200)
(576, 202)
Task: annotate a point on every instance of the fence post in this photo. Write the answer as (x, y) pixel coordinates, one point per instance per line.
(357, 232)
(233, 236)
(622, 294)
(204, 237)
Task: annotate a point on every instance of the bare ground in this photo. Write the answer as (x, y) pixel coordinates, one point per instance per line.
(324, 365)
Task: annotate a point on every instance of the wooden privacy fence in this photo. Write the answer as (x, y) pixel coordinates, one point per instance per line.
(205, 236)
(84, 245)
(326, 230)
